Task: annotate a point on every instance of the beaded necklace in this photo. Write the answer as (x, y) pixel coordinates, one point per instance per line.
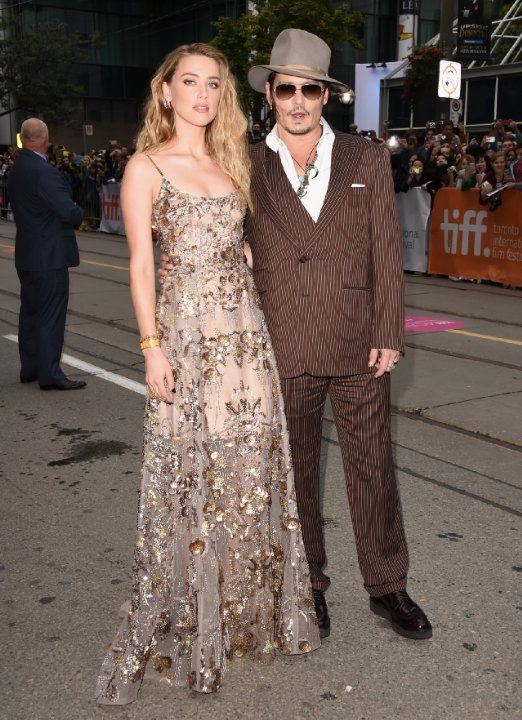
(308, 169)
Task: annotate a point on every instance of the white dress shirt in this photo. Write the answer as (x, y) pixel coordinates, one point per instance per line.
(316, 191)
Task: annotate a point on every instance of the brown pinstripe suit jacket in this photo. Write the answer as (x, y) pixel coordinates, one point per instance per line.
(334, 289)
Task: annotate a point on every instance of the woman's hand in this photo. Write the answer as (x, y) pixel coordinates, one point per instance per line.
(485, 188)
(158, 375)
(248, 255)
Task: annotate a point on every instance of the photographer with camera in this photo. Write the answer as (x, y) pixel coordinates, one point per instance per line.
(429, 132)
(476, 172)
(449, 135)
(499, 178)
(418, 177)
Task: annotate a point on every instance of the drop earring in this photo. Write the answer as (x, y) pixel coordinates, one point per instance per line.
(167, 104)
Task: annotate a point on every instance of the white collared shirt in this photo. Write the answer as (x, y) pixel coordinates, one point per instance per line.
(316, 192)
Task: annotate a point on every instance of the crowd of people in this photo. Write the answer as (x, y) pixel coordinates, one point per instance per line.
(452, 158)
(86, 174)
(437, 156)
(445, 155)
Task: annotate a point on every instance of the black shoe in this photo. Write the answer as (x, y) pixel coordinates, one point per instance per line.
(405, 616)
(28, 379)
(65, 384)
(321, 609)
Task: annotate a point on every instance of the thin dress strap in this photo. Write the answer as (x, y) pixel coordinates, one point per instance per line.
(157, 168)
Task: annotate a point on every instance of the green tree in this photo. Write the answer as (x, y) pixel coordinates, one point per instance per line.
(249, 39)
(36, 71)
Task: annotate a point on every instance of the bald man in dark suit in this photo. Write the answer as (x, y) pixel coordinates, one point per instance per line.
(45, 249)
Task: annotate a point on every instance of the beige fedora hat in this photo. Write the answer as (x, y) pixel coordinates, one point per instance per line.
(299, 53)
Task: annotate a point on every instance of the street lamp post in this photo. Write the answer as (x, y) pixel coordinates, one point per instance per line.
(446, 43)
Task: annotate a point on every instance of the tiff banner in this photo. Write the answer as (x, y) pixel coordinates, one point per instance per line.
(111, 220)
(469, 240)
(414, 215)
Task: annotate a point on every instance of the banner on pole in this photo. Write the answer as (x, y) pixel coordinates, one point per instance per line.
(473, 31)
(414, 214)
(407, 27)
(468, 240)
(111, 220)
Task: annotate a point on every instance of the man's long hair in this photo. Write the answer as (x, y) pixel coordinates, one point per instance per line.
(225, 137)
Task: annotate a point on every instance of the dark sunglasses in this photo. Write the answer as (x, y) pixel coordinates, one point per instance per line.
(310, 91)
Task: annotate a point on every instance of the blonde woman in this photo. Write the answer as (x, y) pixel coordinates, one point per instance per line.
(220, 569)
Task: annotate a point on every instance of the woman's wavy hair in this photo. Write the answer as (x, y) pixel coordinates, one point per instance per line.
(225, 137)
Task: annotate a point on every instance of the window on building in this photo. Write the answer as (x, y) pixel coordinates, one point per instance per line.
(398, 109)
(509, 94)
(137, 82)
(481, 98)
(424, 110)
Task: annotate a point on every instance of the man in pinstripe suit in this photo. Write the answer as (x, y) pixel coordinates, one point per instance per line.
(327, 262)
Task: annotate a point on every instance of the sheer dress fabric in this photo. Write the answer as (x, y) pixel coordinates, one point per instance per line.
(219, 565)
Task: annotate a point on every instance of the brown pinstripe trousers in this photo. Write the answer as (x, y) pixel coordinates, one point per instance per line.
(361, 406)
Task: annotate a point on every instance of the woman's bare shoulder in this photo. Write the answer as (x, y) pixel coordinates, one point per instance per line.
(140, 160)
(140, 166)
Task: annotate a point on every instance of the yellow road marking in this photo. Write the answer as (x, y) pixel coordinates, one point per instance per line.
(486, 337)
(86, 262)
(100, 264)
(494, 338)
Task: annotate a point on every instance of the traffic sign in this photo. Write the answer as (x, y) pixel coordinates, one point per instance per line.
(449, 79)
(455, 111)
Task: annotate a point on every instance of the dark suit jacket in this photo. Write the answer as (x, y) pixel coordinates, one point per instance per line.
(44, 213)
(330, 290)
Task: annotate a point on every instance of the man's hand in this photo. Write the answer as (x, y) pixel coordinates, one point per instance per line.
(383, 359)
(165, 268)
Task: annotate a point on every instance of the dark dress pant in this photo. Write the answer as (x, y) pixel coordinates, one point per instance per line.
(44, 295)
(361, 407)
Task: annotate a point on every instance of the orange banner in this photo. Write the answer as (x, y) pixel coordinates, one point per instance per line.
(468, 240)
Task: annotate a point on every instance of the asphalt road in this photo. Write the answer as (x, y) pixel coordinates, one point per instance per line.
(70, 467)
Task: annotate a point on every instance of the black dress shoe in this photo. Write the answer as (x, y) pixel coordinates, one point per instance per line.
(28, 379)
(65, 384)
(321, 609)
(405, 616)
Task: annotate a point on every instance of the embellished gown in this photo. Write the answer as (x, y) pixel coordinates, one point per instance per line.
(219, 566)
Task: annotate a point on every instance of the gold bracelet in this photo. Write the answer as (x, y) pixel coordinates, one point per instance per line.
(149, 341)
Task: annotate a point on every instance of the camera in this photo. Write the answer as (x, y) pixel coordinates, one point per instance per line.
(393, 142)
(432, 125)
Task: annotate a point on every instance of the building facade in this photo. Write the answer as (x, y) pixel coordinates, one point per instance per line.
(132, 36)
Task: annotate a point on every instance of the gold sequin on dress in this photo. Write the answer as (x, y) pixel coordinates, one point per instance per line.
(219, 568)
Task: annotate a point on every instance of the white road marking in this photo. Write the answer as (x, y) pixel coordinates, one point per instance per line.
(97, 371)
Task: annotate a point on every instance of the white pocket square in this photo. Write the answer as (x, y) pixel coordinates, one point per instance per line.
(357, 185)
